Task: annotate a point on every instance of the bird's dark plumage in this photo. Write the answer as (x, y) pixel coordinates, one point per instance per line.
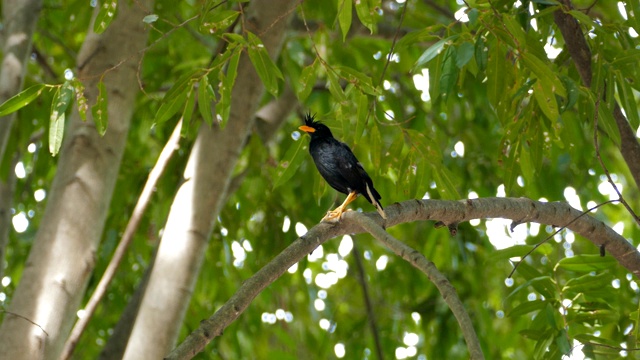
(338, 165)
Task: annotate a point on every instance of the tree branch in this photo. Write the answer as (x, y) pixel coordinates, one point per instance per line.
(447, 290)
(127, 237)
(448, 212)
(581, 55)
(371, 314)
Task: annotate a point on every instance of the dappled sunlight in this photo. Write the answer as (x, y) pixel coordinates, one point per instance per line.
(20, 222)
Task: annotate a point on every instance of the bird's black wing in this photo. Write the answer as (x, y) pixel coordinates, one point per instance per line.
(354, 173)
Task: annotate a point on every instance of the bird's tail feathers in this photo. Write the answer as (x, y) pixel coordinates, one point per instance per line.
(376, 203)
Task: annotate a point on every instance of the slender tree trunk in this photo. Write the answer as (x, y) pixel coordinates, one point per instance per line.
(63, 252)
(19, 19)
(6, 202)
(201, 197)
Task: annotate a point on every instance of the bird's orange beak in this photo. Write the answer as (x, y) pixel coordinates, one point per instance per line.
(307, 129)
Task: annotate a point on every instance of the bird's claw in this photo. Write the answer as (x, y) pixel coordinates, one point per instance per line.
(333, 216)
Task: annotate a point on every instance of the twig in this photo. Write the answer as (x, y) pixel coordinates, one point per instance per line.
(515, 267)
(448, 292)
(604, 167)
(371, 314)
(127, 237)
(26, 319)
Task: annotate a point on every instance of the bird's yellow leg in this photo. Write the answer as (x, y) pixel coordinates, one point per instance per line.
(334, 215)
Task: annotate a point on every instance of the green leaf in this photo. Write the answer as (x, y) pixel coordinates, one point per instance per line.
(358, 79)
(376, 146)
(496, 81)
(21, 100)
(424, 146)
(216, 22)
(150, 19)
(508, 253)
(511, 167)
(363, 111)
(204, 100)
(449, 72)
(583, 18)
(609, 123)
(464, 52)
(62, 99)
(291, 162)
(445, 181)
(573, 93)
(542, 284)
(265, 67)
(171, 105)
(526, 165)
(81, 100)
(227, 82)
(587, 263)
(543, 344)
(189, 107)
(432, 52)
(59, 105)
(514, 28)
(544, 73)
(106, 14)
(419, 36)
(546, 100)
(345, 14)
(335, 88)
(527, 307)
(174, 99)
(628, 100)
(307, 81)
(481, 53)
(99, 110)
(56, 131)
(587, 283)
(366, 12)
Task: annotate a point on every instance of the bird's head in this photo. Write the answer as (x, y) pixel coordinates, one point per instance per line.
(315, 128)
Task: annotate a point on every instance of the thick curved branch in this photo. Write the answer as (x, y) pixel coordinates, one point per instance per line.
(581, 54)
(447, 290)
(448, 212)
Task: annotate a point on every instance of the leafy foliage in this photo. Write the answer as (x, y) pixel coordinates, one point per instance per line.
(500, 115)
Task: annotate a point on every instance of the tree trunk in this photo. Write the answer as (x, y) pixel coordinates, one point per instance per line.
(19, 19)
(63, 252)
(201, 197)
(19, 22)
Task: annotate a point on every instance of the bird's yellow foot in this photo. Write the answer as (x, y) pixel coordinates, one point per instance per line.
(334, 216)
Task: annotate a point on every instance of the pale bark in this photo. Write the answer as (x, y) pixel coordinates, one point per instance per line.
(201, 197)
(63, 253)
(19, 19)
(6, 202)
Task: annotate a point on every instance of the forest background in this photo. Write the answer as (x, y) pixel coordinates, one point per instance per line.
(152, 176)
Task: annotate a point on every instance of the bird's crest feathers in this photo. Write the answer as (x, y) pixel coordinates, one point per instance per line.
(310, 120)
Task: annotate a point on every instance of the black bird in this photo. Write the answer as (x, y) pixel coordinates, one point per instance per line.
(339, 167)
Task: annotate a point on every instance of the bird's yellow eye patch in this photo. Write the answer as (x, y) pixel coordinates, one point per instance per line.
(306, 128)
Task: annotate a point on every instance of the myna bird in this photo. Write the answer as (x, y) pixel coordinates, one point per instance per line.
(339, 167)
